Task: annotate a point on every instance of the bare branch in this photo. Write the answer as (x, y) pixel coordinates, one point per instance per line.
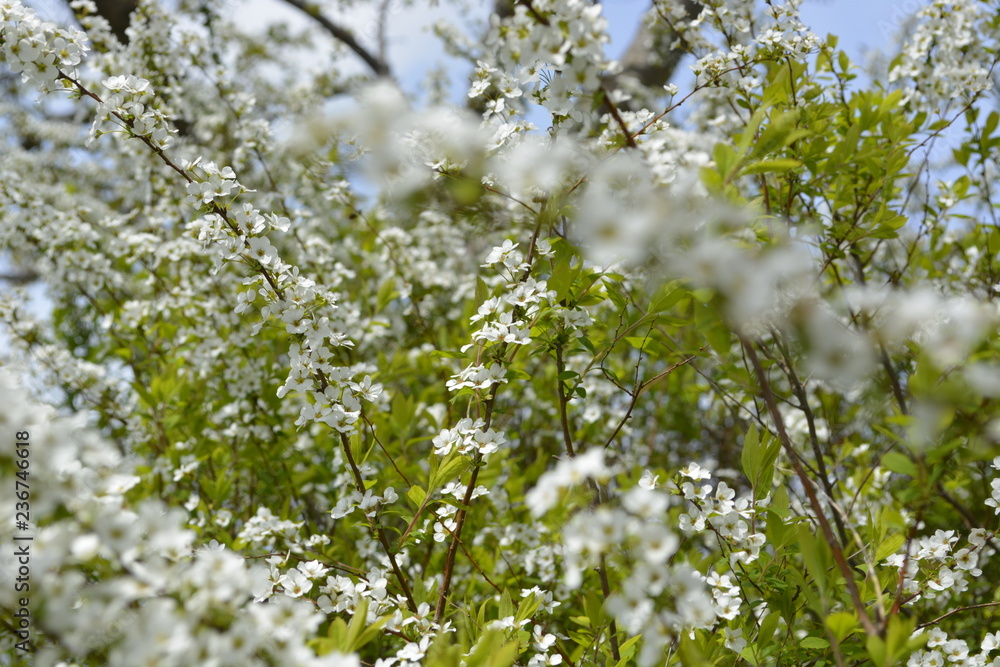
(342, 34)
(20, 278)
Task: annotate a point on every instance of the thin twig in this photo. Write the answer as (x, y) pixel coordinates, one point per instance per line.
(955, 611)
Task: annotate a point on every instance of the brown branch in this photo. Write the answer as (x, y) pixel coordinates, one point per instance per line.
(118, 14)
(563, 400)
(807, 484)
(955, 611)
(359, 483)
(383, 27)
(613, 109)
(638, 391)
(800, 393)
(449, 563)
(24, 278)
(456, 536)
(342, 34)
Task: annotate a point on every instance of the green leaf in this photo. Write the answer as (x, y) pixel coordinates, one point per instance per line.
(714, 329)
(814, 552)
(615, 293)
(338, 633)
(876, 651)
(778, 532)
(666, 296)
(777, 165)
(900, 463)
(814, 643)
(751, 457)
(727, 160)
(889, 546)
(750, 132)
(768, 626)
(386, 293)
(483, 291)
(780, 132)
(446, 354)
(417, 495)
(639, 342)
(491, 651)
(991, 123)
(691, 653)
(594, 608)
(841, 624)
(454, 502)
(528, 607)
(563, 273)
(505, 656)
(758, 458)
(897, 637)
(506, 605)
(357, 624)
(627, 650)
(450, 468)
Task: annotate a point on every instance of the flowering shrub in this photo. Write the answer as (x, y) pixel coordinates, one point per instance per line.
(698, 376)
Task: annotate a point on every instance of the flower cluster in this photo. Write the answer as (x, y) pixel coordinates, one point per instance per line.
(131, 107)
(158, 600)
(931, 567)
(468, 437)
(729, 517)
(961, 60)
(524, 49)
(39, 50)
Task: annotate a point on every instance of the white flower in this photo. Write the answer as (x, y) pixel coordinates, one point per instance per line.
(734, 640)
(262, 251)
(695, 472)
(313, 569)
(994, 500)
(956, 650)
(295, 584)
(500, 254)
(345, 506)
(648, 480)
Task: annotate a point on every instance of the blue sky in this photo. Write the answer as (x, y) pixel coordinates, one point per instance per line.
(859, 24)
(414, 50)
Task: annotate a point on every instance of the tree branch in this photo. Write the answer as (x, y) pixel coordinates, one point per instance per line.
(22, 278)
(342, 34)
(807, 484)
